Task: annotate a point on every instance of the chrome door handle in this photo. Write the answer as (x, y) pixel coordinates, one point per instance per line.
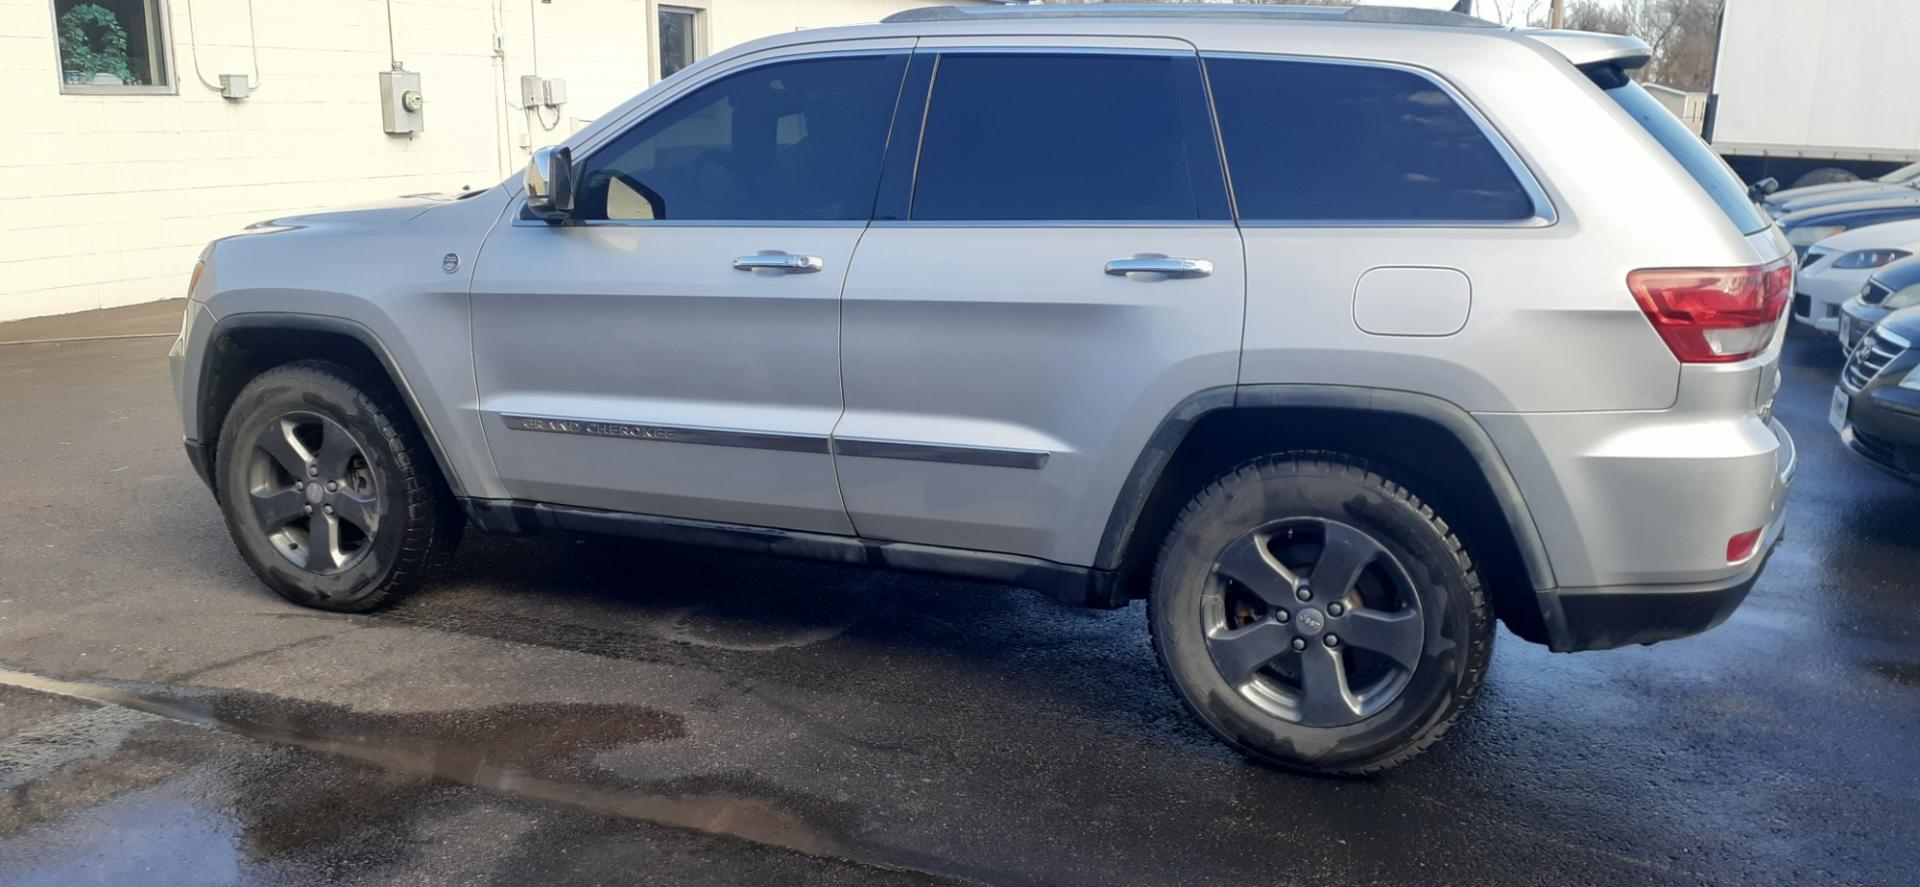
(779, 263)
(1173, 268)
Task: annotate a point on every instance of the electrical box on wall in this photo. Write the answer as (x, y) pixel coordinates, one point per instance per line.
(401, 102)
(537, 91)
(235, 86)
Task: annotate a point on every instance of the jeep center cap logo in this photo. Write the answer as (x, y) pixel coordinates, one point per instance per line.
(1310, 621)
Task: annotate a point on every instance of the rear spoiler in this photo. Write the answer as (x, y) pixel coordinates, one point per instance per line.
(1604, 57)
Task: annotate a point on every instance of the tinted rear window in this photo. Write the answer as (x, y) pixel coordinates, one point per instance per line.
(1068, 137)
(1699, 160)
(1309, 141)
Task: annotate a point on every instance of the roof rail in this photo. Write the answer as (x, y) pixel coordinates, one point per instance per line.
(1385, 15)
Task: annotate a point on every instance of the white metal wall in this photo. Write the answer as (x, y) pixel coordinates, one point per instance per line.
(109, 198)
(1833, 78)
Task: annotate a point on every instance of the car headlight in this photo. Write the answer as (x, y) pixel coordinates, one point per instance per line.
(1906, 298)
(1808, 235)
(1870, 258)
(1912, 381)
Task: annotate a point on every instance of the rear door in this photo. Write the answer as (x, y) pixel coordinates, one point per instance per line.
(1051, 269)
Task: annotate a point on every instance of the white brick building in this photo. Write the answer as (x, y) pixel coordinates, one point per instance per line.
(118, 165)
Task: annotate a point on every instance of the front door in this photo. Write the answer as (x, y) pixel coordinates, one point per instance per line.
(1062, 271)
(674, 348)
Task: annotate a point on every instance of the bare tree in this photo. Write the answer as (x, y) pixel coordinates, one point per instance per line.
(1681, 33)
(1521, 12)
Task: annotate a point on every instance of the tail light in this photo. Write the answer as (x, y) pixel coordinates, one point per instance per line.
(1715, 315)
(1742, 546)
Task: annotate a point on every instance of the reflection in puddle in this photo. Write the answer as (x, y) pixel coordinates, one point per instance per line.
(539, 753)
(145, 838)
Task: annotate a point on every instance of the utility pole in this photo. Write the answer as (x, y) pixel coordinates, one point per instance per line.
(1559, 8)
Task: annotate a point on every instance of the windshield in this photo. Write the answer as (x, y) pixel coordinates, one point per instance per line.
(1693, 154)
(1908, 173)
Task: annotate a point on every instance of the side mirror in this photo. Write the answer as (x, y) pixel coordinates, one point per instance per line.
(550, 184)
(1759, 190)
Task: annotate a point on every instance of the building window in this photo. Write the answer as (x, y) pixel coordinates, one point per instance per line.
(113, 46)
(683, 38)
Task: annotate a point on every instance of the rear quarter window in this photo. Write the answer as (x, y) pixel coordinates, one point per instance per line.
(1326, 142)
(1706, 167)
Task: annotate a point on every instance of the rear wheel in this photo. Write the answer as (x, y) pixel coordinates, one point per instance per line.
(328, 491)
(1317, 616)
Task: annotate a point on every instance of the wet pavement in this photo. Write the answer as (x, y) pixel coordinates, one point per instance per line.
(567, 709)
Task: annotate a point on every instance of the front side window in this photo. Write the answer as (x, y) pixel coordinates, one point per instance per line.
(680, 39)
(112, 45)
(791, 141)
(1067, 137)
(1320, 142)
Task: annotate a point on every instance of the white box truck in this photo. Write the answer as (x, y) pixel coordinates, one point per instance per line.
(1816, 91)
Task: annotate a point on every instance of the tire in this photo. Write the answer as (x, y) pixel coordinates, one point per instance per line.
(1826, 175)
(1418, 631)
(386, 520)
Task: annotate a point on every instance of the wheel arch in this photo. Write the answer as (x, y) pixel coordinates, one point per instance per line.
(242, 346)
(1432, 445)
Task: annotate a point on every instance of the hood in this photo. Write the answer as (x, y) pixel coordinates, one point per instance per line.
(1791, 195)
(373, 213)
(1904, 323)
(1862, 212)
(1848, 194)
(1892, 235)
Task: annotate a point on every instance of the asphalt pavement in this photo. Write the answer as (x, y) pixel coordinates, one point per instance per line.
(562, 709)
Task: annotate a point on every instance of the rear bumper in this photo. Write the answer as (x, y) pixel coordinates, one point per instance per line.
(1636, 512)
(1604, 618)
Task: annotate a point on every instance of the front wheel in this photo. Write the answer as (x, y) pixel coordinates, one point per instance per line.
(1316, 616)
(328, 490)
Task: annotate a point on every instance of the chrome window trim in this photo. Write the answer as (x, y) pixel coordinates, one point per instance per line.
(1544, 213)
(1060, 48)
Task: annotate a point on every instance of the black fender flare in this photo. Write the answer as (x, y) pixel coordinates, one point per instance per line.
(1154, 458)
(225, 327)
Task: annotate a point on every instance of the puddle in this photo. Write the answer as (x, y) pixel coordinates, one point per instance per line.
(543, 753)
(521, 750)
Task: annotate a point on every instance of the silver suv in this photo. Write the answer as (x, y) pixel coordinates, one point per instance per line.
(1335, 334)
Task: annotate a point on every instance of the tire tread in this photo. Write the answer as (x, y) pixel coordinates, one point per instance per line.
(433, 523)
(1333, 464)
